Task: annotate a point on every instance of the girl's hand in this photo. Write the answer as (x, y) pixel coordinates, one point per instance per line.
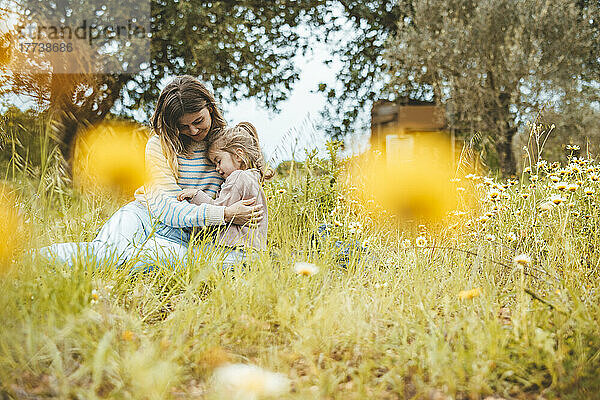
(243, 212)
(186, 194)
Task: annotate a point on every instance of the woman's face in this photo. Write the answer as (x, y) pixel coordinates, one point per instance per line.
(195, 125)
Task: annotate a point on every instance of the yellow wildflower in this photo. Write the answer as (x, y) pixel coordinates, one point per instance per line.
(557, 199)
(561, 185)
(110, 156)
(469, 294)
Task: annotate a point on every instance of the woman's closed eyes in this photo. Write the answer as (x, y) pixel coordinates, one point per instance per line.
(197, 124)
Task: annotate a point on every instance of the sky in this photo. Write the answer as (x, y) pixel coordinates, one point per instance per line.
(299, 114)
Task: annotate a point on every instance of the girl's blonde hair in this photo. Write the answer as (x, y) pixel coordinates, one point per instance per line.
(242, 137)
(183, 95)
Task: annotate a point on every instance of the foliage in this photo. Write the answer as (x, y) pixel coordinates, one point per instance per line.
(242, 49)
(357, 31)
(495, 63)
(24, 142)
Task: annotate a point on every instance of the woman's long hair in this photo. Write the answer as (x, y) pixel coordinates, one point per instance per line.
(183, 95)
(242, 137)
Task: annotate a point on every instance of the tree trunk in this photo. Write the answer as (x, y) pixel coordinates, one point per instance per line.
(505, 126)
(505, 151)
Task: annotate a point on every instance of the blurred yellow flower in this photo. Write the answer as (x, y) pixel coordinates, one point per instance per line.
(12, 229)
(413, 181)
(469, 294)
(127, 336)
(110, 157)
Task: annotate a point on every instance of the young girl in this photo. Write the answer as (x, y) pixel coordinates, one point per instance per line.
(238, 158)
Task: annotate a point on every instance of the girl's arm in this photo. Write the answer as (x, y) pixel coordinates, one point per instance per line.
(161, 195)
(239, 185)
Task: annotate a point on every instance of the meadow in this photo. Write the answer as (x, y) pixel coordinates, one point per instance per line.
(499, 299)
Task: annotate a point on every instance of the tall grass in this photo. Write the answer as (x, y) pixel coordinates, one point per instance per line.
(395, 322)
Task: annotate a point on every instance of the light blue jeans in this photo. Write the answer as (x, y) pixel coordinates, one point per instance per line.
(131, 234)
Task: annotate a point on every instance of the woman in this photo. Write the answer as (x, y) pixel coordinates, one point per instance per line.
(156, 224)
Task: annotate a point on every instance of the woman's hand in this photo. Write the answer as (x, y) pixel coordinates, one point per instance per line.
(243, 212)
(187, 194)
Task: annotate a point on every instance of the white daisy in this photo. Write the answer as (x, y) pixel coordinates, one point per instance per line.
(305, 269)
(522, 260)
(243, 381)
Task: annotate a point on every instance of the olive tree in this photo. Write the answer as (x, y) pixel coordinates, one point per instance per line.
(495, 63)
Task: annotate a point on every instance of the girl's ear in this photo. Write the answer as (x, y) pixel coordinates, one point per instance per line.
(239, 155)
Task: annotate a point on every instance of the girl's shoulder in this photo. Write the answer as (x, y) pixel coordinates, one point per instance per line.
(244, 175)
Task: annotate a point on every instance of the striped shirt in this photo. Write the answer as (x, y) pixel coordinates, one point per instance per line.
(195, 171)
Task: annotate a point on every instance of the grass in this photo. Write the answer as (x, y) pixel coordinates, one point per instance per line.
(394, 323)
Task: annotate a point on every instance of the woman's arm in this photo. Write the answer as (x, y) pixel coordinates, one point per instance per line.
(161, 197)
(239, 190)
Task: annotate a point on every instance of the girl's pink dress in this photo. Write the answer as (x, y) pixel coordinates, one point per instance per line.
(239, 185)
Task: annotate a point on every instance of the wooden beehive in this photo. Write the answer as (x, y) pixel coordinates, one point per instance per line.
(394, 126)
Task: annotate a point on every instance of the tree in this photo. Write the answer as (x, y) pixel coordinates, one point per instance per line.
(241, 48)
(495, 63)
(358, 31)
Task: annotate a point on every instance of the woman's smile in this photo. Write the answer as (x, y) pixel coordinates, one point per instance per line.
(195, 125)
